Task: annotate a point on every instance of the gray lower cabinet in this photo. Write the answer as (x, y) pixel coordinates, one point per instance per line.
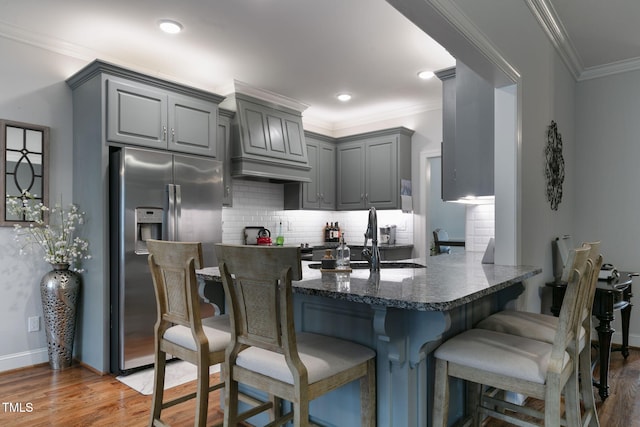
(149, 116)
(371, 168)
(320, 192)
(224, 154)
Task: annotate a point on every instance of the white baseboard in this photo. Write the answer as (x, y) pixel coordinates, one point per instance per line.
(24, 359)
(634, 339)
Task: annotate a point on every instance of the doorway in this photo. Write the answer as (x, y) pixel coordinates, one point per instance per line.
(450, 217)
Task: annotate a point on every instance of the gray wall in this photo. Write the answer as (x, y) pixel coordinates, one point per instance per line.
(32, 90)
(546, 92)
(608, 173)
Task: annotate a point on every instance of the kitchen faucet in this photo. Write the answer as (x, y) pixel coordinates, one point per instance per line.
(372, 256)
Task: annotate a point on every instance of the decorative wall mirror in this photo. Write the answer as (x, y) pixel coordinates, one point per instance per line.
(24, 151)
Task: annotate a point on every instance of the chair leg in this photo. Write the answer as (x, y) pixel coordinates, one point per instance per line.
(441, 394)
(230, 400)
(474, 400)
(275, 412)
(158, 386)
(368, 402)
(572, 400)
(552, 401)
(301, 413)
(202, 393)
(586, 387)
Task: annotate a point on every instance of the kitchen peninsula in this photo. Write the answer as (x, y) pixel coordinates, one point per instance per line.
(402, 313)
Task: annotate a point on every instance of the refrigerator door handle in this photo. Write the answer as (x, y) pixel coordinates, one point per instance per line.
(171, 210)
(178, 211)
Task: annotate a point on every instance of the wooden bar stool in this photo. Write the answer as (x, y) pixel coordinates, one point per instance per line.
(179, 330)
(543, 327)
(521, 365)
(266, 352)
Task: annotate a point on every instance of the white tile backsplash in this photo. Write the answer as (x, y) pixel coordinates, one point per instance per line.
(257, 203)
(480, 226)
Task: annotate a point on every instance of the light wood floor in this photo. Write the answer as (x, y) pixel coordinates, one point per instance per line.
(77, 397)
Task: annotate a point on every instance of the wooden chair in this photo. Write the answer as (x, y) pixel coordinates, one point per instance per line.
(518, 364)
(543, 327)
(266, 353)
(179, 330)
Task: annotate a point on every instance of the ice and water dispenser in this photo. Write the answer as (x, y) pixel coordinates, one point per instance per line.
(148, 226)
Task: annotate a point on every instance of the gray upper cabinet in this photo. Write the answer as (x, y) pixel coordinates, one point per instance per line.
(149, 116)
(371, 168)
(351, 175)
(136, 114)
(325, 176)
(320, 193)
(193, 126)
(224, 154)
(468, 134)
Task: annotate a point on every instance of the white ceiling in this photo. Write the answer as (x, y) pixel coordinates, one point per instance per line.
(307, 50)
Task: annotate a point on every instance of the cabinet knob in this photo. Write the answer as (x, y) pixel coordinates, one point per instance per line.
(164, 133)
(173, 135)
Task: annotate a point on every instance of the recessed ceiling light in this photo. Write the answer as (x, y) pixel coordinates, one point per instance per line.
(169, 26)
(425, 75)
(344, 97)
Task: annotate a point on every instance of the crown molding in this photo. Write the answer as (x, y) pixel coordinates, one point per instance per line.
(552, 25)
(459, 20)
(550, 22)
(52, 44)
(265, 95)
(610, 69)
(333, 128)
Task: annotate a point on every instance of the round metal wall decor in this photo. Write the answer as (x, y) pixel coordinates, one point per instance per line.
(554, 167)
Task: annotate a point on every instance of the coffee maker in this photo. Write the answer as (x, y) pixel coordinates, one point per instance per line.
(388, 235)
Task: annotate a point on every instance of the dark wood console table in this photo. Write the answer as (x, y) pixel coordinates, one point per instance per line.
(610, 296)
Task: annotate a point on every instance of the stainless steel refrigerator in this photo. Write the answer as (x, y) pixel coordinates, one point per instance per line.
(158, 195)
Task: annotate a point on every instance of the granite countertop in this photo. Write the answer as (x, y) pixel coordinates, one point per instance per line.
(448, 281)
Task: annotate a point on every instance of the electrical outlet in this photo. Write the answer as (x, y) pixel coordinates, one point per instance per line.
(34, 324)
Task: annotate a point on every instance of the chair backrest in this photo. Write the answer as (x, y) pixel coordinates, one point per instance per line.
(173, 266)
(257, 280)
(441, 235)
(578, 283)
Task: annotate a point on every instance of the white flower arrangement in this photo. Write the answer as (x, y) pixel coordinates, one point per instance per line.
(57, 239)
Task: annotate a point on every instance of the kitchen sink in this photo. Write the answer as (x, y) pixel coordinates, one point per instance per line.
(387, 264)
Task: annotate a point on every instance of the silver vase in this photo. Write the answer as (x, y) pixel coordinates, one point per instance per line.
(59, 289)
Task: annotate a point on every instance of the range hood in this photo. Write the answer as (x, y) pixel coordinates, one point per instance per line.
(268, 137)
